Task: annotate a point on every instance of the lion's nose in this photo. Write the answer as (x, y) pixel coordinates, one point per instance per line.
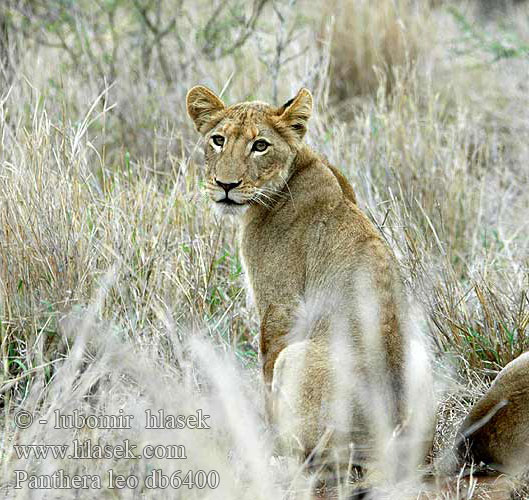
(227, 186)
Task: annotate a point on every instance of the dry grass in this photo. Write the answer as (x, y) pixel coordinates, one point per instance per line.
(120, 290)
(373, 44)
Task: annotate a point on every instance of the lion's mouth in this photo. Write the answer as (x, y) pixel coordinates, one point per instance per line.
(227, 206)
(229, 201)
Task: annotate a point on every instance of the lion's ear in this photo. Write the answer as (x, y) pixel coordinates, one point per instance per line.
(296, 112)
(204, 108)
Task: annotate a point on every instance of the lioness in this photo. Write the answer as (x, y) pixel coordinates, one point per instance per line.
(496, 430)
(492, 443)
(333, 329)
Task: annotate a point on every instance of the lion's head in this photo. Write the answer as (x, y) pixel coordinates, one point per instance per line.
(249, 147)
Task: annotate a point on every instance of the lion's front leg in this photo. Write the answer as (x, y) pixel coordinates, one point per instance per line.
(275, 326)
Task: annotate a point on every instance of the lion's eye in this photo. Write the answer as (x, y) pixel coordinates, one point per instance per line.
(218, 140)
(260, 145)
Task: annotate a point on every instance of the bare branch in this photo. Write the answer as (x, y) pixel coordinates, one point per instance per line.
(257, 8)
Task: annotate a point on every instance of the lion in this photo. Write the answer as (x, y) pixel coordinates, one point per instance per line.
(495, 433)
(335, 337)
(491, 445)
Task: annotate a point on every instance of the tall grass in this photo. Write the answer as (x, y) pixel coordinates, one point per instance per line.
(119, 289)
(370, 44)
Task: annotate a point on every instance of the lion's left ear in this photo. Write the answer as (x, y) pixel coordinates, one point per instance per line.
(204, 108)
(296, 112)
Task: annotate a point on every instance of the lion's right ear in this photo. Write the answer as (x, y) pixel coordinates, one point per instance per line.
(204, 108)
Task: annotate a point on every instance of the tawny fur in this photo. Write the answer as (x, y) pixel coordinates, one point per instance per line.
(496, 430)
(319, 271)
(492, 444)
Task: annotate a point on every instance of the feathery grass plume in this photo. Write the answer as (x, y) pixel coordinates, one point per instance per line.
(106, 374)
